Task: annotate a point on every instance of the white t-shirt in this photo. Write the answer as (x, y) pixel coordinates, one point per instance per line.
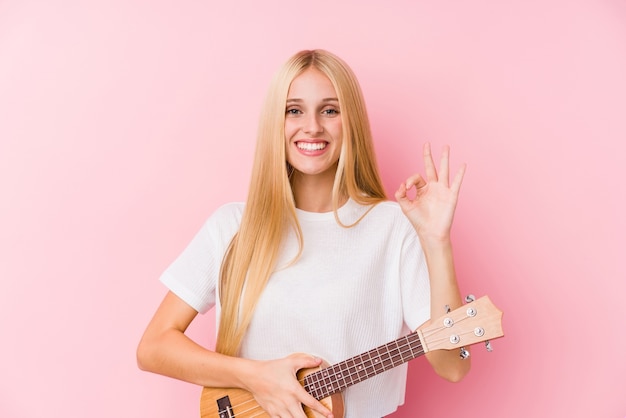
(352, 289)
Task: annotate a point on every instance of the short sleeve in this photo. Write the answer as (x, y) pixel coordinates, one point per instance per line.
(194, 274)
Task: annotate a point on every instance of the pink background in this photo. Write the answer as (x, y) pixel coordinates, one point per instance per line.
(123, 124)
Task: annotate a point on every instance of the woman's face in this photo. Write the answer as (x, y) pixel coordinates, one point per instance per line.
(313, 124)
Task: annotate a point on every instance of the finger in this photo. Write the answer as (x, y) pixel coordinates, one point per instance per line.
(458, 179)
(306, 361)
(402, 199)
(415, 180)
(401, 192)
(316, 405)
(444, 167)
(429, 164)
(296, 412)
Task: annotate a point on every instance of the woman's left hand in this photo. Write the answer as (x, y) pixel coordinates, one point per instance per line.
(431, 211)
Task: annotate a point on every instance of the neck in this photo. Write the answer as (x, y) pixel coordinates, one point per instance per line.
(340, 376)
(314, 193)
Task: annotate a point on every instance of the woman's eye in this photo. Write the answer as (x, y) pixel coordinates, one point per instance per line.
(330, 112)
(293, 111)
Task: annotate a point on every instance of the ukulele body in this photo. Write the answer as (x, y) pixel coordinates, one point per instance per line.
(239, 403)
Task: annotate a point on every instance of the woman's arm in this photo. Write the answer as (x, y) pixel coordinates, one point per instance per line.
(444, 291)
(431, 213)
(165, 349)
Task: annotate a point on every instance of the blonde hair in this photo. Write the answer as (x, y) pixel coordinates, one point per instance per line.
(270, 210)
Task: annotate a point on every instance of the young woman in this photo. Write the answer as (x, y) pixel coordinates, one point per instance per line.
(317, 263)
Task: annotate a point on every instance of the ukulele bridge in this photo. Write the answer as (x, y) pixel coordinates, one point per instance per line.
(224, 408)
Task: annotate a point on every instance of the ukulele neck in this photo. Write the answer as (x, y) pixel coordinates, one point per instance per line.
(338, 377)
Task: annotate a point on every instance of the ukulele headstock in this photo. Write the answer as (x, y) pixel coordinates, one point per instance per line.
(475, 322)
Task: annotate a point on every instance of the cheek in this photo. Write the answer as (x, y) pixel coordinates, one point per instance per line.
(337, 130)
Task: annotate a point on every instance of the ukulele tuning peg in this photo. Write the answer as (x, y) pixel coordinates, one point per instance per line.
(488, 346)
(464, 353)
(470, 298)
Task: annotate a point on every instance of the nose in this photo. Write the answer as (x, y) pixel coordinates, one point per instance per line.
(312, 125)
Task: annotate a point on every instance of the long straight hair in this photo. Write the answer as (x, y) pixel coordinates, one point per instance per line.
(270, 211)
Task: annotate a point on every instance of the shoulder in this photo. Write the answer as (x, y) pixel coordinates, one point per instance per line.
(226, 217)
(229, 209)
(388, 207)
(388, 215)
(389, 210)
(384, 214)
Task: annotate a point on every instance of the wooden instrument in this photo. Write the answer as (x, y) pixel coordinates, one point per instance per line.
(477, 321)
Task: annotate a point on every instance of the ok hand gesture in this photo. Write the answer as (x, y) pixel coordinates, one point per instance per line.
(431, 210)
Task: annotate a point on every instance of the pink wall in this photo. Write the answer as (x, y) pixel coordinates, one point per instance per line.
(123, 124)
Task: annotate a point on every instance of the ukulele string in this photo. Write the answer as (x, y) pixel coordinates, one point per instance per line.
(247, 411)
(392, 358)
(320, 382)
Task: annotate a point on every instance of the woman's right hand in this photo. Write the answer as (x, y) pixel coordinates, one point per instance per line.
(165, 349)
(276, 389)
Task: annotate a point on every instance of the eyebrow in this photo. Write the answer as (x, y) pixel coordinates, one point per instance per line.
(328, 99)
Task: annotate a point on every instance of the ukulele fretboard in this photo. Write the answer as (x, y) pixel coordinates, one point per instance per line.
(349, 372)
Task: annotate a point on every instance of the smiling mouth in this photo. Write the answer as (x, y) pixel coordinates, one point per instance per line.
(311, 146)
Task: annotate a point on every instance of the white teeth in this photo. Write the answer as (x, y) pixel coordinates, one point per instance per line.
(311, 146)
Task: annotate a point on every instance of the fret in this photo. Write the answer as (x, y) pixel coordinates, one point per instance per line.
(416, 344)
(331, 383)
(394, 353)
(326, 382)
(380, 360)
(397, 353)
(321, 382)
(408, 350)
(370, 362)
(349, 372)
(372, 357)
(340, 374)
(314, 385)
(407, 345)
(383, 357)
(352, 364)
(389, 362)
(360, 369)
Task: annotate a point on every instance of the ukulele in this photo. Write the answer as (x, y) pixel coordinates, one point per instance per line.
(477, 321)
